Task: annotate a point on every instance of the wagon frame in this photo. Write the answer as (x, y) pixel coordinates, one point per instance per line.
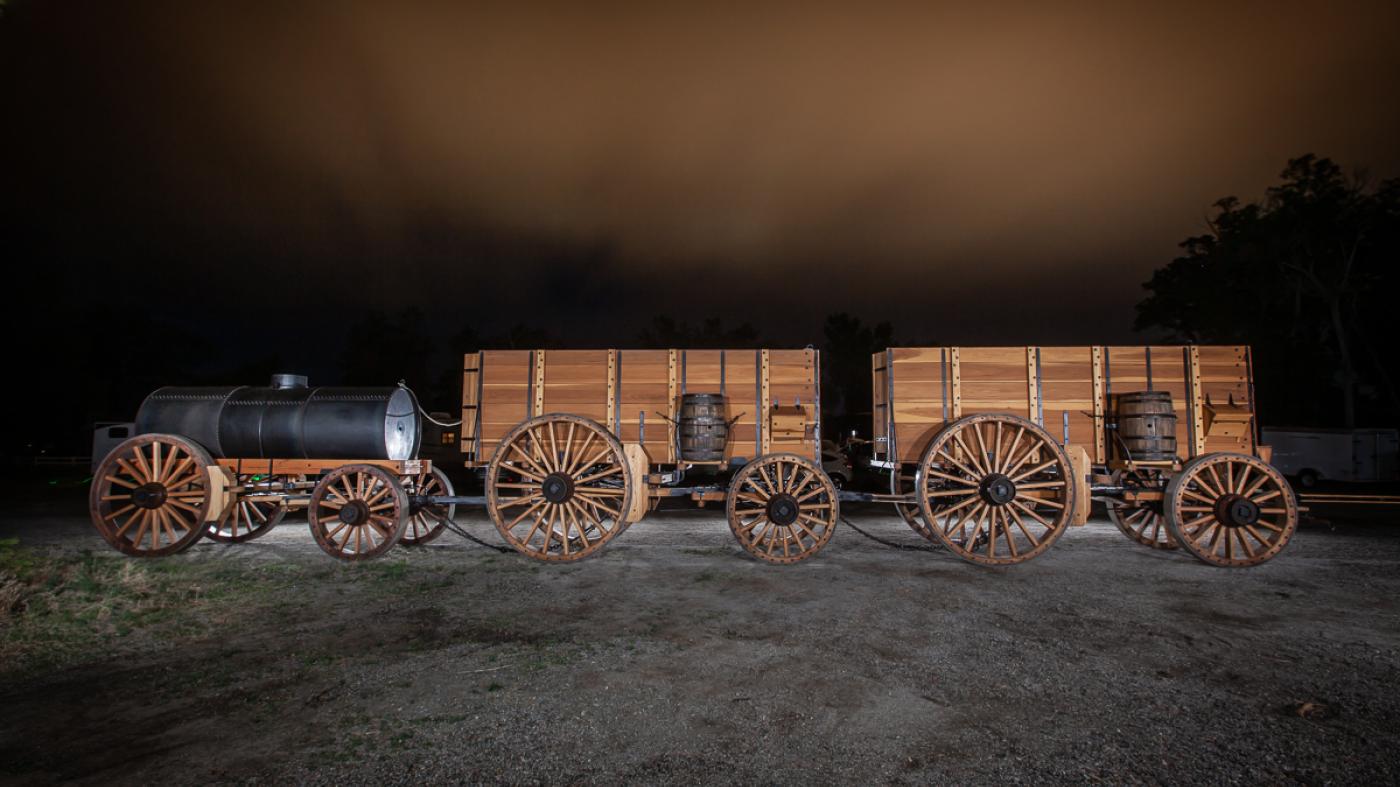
(1219, 498)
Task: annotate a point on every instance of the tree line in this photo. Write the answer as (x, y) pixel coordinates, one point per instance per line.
(1307, 277)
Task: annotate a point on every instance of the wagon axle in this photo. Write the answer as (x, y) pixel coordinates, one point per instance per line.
(997, 490)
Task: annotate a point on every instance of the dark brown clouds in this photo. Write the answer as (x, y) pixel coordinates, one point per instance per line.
(826, 152)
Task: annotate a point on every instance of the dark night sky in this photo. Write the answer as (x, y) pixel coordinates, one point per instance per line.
(1005, 173)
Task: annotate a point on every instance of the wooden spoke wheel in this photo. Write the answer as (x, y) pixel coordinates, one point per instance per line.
(357, 512)
(1231, 510)
(425, 522)
(995, 489)
(1143, 522)
(151, 495)
(557, 487)
(256, 510)
(901, 484)
(782, 508)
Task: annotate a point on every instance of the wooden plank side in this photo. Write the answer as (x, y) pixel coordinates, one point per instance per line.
(701, 371)
(741, 398)
(1067, 394)
(1225, 382)
(1078, 384)
(644, 386)
(471, 401)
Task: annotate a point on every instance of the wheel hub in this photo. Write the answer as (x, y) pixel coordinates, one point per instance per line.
(1236, 511)
(783, 509)
(354, 512)
(997, 490)
(558, 488)
(150, 495)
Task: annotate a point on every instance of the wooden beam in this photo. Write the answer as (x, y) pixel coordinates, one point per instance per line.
(765, 402)
(320, 466)
(956, 373)
(1099, 406)
(1032, 387)
(671, 393)
(1198, 427)
(538, 407)
(612, 391)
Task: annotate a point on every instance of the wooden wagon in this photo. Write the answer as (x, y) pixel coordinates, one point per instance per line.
(578, 444)
(994, 451)
(228, 463)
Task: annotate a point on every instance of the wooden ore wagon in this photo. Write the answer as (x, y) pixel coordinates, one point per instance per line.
(993, 451)
(578, 444)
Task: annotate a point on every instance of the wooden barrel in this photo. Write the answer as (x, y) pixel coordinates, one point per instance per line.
(703, 427)
(1146, 426)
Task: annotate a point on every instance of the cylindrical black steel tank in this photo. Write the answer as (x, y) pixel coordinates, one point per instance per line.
(1146, 424)
(703, 428)
(288, 420)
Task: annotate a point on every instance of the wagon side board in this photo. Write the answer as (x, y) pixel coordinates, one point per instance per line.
(772, 396)
(1070, 391)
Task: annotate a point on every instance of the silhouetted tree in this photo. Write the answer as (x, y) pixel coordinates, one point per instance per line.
(665, 332)
(846, 362)
(1296, 276)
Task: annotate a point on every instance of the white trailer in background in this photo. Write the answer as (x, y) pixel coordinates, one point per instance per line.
(1310, 455)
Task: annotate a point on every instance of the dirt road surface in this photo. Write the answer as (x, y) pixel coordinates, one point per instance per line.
(673, 658)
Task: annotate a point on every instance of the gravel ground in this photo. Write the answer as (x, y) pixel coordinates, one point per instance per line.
(671, 657)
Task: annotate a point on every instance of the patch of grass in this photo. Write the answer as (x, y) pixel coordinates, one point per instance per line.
(55, 607)
(390, 571)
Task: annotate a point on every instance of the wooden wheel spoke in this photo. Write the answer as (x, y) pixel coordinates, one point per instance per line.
(610, 471)
(516, 501)
(598, 505)
(1188, 493)
(967, 471)
(954, 479)
(1040, 500)
(1028, 511)
(132, 472)
(983, 456)
(1011, 450)
(972, 457)
(1021, 524)
(146, 473)
(1018, 478)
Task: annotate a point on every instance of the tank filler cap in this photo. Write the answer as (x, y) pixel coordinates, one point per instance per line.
(288, 381)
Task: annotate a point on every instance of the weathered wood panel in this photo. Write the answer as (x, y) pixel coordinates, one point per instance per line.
(1070, 391)
(635, 393)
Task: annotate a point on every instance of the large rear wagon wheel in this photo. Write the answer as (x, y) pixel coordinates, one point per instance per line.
(1144, 523)
(1231, 510)
(557, 487)
(782, 508)
(995, 489)
(357, 512)
(151, 494)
